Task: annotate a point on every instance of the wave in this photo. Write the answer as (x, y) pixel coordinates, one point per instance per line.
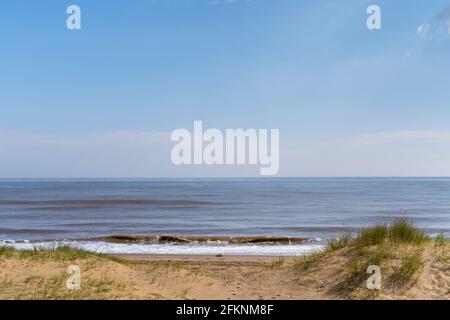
(173, 239)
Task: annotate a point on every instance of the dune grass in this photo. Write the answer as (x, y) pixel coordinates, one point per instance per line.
(372, 236)
(45, 284)
(400, 231)
(6, 251)
(341, 242)
(406, 270)
(306, 263)
(59, 253)
(396, 248)
(442, 251)
(440, 240)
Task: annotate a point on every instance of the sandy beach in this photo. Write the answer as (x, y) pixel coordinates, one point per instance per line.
(165, 277)
(272, 277)
(203, 258)
(234, 277)
(337, 273)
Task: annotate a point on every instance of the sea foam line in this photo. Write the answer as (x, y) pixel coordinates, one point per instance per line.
(171, 249)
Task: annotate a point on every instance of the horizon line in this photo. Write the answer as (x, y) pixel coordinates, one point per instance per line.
(213, 177)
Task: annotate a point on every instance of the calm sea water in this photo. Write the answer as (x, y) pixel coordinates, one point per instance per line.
(316, 208)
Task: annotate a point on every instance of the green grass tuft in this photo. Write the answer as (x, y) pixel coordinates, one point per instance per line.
(440, 240)
(400, 231)
(60, 253)
(6, 251)
(403, 231)
(372, 236)
(343, 241)
(305, 263)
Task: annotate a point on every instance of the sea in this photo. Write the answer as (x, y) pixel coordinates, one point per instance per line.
(220, 216)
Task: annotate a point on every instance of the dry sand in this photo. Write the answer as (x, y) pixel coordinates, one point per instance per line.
(197, 277)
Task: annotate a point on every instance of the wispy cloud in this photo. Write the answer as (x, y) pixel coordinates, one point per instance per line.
(112, 153)
(402, 137)
(397, 153)
(438, 25)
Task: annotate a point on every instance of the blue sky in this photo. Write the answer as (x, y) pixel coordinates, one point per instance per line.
(100, 101)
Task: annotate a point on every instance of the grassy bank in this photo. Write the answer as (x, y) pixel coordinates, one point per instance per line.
(401, 251)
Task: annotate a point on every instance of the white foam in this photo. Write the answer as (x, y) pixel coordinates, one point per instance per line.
(176, 249)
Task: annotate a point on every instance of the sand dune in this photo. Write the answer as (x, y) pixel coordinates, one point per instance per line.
(43, 275)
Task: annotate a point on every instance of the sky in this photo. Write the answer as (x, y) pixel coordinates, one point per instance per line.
(102, 101)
